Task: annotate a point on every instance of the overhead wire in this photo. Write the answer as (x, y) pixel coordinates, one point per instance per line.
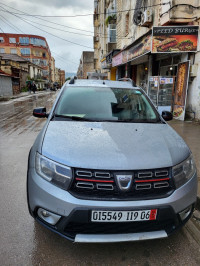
(49, 32)
(61, 58)
(90, 14)
(99, 34)
(49, 21)
(11, 25)
(1, 29)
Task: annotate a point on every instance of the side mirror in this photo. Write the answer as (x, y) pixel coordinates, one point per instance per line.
(40, 112)
(167, 116)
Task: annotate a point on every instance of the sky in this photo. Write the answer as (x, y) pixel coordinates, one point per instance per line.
(67, 55)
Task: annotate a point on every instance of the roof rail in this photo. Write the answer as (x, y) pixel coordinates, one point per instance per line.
(72, 80)
(128, 79)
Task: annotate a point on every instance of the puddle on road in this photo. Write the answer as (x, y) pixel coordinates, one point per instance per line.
(17, 117)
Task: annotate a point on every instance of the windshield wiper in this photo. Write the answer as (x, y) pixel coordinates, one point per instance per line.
(69, 117)
(135, 121)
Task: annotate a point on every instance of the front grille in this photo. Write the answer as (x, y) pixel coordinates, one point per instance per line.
(103, 185)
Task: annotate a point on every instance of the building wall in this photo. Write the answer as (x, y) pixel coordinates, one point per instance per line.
(5, 86)
(38, 53)
(193, 99)
(62, 77)
(86, 64)
(57, 76)
(52, 69)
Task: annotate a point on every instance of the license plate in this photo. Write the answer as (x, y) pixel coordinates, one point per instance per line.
(123, 216)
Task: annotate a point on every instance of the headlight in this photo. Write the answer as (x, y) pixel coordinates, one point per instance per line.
(53, 172)
(184, 171)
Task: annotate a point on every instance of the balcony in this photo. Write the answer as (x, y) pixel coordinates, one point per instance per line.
(178, 11)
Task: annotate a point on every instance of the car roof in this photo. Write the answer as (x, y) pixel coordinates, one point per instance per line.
(101, 83)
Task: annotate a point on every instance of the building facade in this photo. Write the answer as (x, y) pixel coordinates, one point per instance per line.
(20, 69)
(62, 77)
(86, 64)
(104, 36)
(159, 48)
(31, 47)
(53, 70)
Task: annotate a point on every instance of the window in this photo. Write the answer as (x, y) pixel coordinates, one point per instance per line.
(44, 54)
(12, 40)
(1, 39)
(37, 53)
(45, 72)
(38, 42)
(13, 50)
(2, 50)
(36, 61)
(24, 40)
(25, 51)
(112, 33)
(43, 62)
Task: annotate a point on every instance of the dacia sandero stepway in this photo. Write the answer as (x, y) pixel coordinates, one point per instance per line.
(107, 167)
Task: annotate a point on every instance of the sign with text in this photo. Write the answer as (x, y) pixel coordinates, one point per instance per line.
(139, 48)
(117, 60)
(181, 91)
(143, 47)
(174, 39)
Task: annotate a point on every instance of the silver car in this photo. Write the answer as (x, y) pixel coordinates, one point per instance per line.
(106, 167)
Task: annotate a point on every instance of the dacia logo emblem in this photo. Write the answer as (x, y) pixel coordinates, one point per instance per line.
(124, 182)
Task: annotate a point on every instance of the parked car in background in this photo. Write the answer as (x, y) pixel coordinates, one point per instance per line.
(107, 167)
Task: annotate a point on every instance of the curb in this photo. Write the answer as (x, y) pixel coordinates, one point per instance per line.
(7, 99)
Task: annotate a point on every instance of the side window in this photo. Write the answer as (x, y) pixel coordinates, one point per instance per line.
(25, 51)
(12, 40)
(1, 39)
(24, 40)
(13, 50)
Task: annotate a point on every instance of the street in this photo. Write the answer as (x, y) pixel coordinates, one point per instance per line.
(25, 242)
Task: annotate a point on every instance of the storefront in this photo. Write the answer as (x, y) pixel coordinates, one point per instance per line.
(159, 62)
(106, 64)
(172, 47)
(133, 61)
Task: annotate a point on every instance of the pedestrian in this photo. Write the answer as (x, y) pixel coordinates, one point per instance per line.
(29, 87)
(34, 88)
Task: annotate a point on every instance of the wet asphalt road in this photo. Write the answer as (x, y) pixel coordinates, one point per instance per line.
(24, 242)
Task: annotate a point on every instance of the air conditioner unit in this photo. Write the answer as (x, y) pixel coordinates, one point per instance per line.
(146, 18)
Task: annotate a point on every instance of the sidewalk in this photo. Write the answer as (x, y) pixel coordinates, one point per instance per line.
(22, 94)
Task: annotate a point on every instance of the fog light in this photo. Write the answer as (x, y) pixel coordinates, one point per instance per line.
(45, 214)
(185, 213)
(48, 216)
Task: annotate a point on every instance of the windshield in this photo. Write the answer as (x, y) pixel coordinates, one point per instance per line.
(105, 104)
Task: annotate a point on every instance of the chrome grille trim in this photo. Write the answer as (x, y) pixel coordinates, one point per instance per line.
(105, 187)
(143, 186)
(102, 175)
(85, 185)
(161, 173)
(161, 184)
(145, 174)
(84, 173)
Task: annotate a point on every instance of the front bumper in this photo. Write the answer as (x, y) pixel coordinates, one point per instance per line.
(75, 213)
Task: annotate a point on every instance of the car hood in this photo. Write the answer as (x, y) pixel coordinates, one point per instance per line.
(114, 146)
